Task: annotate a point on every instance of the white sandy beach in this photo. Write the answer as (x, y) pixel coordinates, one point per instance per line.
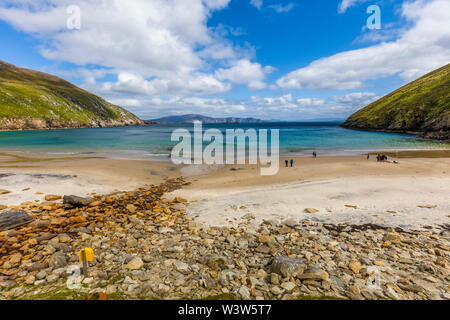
(413, 194)
(382, 201)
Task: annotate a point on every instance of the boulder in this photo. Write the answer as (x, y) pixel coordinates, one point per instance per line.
(13, 219)
(76, 201)
(58, 260)
(287, 267)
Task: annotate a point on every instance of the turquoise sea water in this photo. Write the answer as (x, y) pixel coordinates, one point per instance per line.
(154, 140)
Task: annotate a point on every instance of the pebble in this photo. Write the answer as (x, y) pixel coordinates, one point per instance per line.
(355, 266)
(310, 210)
(181, 266)
(314, 273)
(244, 292)
(135, 264)
(276, 290)
(51, 197)
(288, 286)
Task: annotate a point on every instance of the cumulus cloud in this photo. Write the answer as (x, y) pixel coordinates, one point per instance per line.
(152, 46)
(129, 83)
(283, 107)
(356, 99)
(345, 4)
(245, 72)
(422, 48)
(288, 108)
(257, 3)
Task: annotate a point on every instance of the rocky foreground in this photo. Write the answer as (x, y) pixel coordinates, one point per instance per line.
(148, 248)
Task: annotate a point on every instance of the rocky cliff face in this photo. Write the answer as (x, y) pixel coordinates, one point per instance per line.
(422, 106)
(34, 100)
(14, 124)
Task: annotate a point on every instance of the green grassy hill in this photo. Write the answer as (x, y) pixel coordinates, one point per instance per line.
(422, 106)
(35, 100)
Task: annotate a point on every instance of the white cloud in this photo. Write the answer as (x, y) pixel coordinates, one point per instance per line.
(356, 99)
(285, 107)
(257, 3)
(155, 36)
(245, 72)
(129, 83)
(345, 4)
(422, 48)
(389, 32)
(153, 46)
(126, 102)
(279, 8)
(288, 108)
(157, 107)
(310, 102)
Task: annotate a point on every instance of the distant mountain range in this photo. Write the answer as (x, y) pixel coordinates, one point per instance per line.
(422, 106)
(35, 100)
(190, 118)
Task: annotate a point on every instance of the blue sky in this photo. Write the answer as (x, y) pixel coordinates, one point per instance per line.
(271, 59)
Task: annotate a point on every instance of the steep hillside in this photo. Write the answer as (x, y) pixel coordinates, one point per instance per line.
(422, 106)
(35, 100)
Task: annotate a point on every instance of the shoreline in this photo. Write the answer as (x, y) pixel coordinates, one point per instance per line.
(140, 155)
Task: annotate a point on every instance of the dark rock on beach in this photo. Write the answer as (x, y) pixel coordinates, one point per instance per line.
(76, 201)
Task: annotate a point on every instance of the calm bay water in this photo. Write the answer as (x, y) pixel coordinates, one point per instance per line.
(154, 140)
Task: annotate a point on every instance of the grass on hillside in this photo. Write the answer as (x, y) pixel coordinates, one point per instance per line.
(31, 94)
(422, 100)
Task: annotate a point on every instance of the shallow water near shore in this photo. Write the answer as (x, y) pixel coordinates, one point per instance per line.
(154, 141)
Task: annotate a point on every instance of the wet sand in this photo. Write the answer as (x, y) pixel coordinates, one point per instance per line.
(30, 179)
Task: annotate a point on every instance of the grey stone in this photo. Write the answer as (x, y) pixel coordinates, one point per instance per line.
(8, 284)
(58, 260)
(287, 267)
(76, 201)
(244, 292)
(314, 273)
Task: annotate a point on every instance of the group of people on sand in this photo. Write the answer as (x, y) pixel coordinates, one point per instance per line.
(380, 157)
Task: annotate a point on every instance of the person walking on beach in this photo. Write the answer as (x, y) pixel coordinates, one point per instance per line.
(287, 163)
(314, 154)
(292, 163)
(368, 156)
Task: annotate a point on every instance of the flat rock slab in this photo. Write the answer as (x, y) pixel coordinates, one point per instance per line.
(76, 201)
(287, 267)
(13, 219)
